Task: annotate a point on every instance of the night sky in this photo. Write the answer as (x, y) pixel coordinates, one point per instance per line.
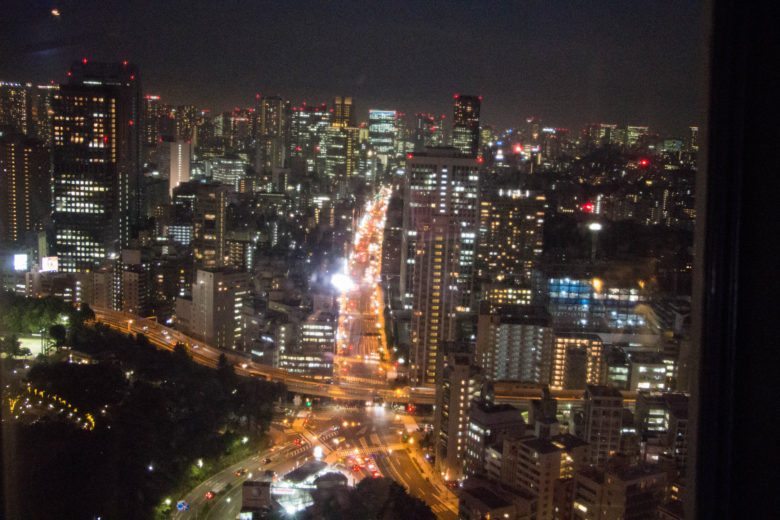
(629, 61)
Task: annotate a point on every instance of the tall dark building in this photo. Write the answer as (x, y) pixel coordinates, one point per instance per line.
(96, 162)
(465, 124)
(272, 123)
(25, 198)
(428, 131)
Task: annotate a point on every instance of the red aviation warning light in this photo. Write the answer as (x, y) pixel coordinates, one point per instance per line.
(518, 148)
(588, 207)
(644, 162)
(410, 156)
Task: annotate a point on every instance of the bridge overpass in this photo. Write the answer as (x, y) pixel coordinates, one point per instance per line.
(348, 390)
(166, 338)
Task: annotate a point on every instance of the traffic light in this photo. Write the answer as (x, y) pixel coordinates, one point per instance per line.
(308, 402)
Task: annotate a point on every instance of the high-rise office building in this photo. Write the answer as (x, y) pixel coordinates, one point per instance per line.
(437, 252)
(382, 131)
(602, 422)
(155, 113)
(511, 224)
(342, 151)
(15, 106)
(459, 385)
(272, 115)
(185, 118)
(210, 224)
(635, 133)
(465, 124)
(96, 162)
(180, 156)
(693, 139)
(43, 112)
(218, 297)
(343, 112)
(308, 124)
(428, 131)
(514, 342)
(25, 196)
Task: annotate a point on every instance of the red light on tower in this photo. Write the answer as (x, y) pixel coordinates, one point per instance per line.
(84, 61)
(480, 160)
(644, 162)
(518, 148)
(410, 156)
(455, 96)
(131, 122)
(588, 207)
(124, 62)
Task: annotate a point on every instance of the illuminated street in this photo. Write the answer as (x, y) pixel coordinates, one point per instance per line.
(361, 338)
(365, 442)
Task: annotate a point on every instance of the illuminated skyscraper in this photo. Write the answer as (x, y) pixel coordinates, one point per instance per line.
(465, 124)
(43, 112)
(510, 233)
(96, 160)
(272, 130)
(438, 250)
(154, 113)
(181, 153)
(210, 225)
(635, 133)
(15, 106)
(308, 125)
(185, 117)
(343, 113)
(382, 131)
(25, 197)
(693, 139)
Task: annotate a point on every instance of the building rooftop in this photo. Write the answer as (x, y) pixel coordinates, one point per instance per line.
(487, 497)
(542, 446)
(567, 441)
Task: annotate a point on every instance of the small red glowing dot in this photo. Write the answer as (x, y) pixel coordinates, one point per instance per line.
(409, 155)
(587, 207)
(132, 77)
(131, 122)
(124, 62)
(84, 61)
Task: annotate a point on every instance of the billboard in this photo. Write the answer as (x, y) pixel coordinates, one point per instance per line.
(49, 264)
(20, 262)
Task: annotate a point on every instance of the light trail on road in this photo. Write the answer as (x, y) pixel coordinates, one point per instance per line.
(361, 332)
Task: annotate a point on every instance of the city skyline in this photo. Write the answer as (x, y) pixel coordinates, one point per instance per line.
(652, 83)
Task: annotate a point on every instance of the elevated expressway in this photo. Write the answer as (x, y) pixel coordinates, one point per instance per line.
(166, 338)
